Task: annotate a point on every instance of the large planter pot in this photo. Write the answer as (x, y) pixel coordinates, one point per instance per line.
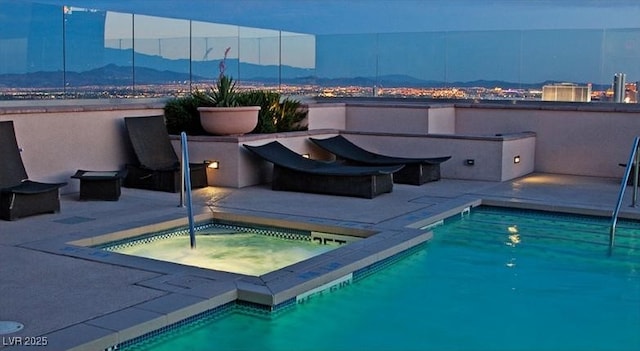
(229, 120)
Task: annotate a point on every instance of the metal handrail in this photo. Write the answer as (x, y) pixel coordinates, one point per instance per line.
(186, 187)
(634, 159)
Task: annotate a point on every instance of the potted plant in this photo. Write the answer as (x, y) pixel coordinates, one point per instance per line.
(220, 109)
(276, 113)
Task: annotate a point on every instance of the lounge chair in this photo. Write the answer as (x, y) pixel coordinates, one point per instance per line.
(19, 196)
(293, 172)
(416, 171)
(158, 166)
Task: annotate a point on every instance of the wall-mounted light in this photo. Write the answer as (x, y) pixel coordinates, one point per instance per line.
(213, 164)
(306, 155)
(516, 159)
(469, 162)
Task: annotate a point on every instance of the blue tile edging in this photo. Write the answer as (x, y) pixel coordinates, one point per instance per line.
(191, 322)
(253, 308)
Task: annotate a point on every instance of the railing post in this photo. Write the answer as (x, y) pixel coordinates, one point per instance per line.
(633, 163)
(182, 173)
(635, 177)
(186, 187)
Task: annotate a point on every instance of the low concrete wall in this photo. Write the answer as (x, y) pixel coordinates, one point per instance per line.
(327, 116)
(493, 156)
(401, 118)
(238, 166)
(442, 119)
(581, 140)
(58, 140)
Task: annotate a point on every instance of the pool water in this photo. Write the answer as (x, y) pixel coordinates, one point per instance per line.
(491, 280)
(228, 248)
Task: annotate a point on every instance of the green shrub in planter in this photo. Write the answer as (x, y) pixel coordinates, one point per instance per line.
(276, 114)
(269, 103)
(181, 115)
(292, 116)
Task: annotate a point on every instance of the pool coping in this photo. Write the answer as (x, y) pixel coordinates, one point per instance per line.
(190, 291)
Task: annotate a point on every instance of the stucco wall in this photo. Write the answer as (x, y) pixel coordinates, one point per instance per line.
(399, 118)
(442, 119)
(583, 142)
(372, 118)
(58, 141)
(492, 155)
(327, 116)
(238, 166)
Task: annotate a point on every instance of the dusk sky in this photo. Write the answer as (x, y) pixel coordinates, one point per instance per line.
(387, 16)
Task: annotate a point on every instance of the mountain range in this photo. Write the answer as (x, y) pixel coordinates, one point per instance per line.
(121, 73)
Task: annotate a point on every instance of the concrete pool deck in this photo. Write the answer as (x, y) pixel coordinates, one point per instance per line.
(81, 299)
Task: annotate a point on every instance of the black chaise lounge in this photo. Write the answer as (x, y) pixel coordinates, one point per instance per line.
(20, 197)
(158, 166)
(293, 172)
(416, 171)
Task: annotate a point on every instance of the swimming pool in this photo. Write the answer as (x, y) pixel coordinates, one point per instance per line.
(232, 248)
(490, 280)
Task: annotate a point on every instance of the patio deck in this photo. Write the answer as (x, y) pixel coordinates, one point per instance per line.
(82, 303)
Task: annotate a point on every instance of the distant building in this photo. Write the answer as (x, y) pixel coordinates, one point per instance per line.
(566, 92)
(619, 87)
(633, 92)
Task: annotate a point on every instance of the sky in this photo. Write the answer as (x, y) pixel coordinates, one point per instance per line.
(387, 16)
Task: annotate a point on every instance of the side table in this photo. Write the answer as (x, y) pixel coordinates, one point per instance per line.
(99, 185)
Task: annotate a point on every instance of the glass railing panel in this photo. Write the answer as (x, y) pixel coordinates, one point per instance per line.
(476, 62)
(259, 58)
(118, 51)
(161, 59)
(31, 51)
(298, 64)
(209, 42)
(572, 56)
(54, 51)
(410, 64)
(570, 60)
(621, 55)
(98, 54)
(346, 64)
(86, 75)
